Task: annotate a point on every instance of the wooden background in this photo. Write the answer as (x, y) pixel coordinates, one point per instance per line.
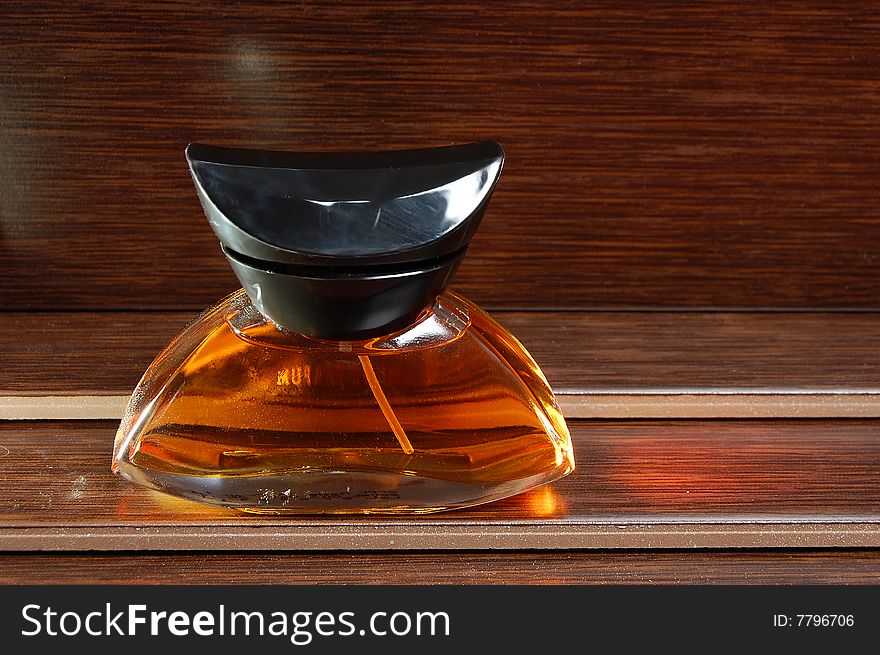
(660, 155)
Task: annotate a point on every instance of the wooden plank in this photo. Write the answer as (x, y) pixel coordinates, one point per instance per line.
(74, 365)
(686, 484)
(548, 567)
(674, 155)
(598, 404)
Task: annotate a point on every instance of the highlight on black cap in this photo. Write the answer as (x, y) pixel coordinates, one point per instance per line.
(345, 245)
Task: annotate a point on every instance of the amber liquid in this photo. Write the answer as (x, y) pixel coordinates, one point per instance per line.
(263, 421)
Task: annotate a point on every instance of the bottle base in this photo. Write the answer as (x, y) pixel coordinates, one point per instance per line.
(450, 412)
(332, 492)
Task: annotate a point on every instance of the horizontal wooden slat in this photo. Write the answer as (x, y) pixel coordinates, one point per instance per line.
(597, 404)
(601, 364)
(688, 484)
(670, 154)
(502, 567)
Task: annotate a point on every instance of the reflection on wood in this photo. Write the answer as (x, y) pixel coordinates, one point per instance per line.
(638, 485)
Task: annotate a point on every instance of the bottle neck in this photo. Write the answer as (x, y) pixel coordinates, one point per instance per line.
(353, 305)
(446, 320)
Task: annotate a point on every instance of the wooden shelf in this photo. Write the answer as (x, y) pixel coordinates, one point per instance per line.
(639, 484)
(601, 364)
(682, 482)
(463, 567)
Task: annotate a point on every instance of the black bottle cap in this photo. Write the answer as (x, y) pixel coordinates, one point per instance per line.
(345, 245)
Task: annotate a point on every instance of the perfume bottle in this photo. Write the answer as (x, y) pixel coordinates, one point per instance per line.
(344, 377)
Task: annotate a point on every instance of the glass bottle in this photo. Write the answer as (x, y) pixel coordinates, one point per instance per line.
(344, 377)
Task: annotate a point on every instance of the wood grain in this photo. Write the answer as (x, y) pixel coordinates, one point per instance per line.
(665, 155)
(631, 567)
(689, 484)
(601, 364)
